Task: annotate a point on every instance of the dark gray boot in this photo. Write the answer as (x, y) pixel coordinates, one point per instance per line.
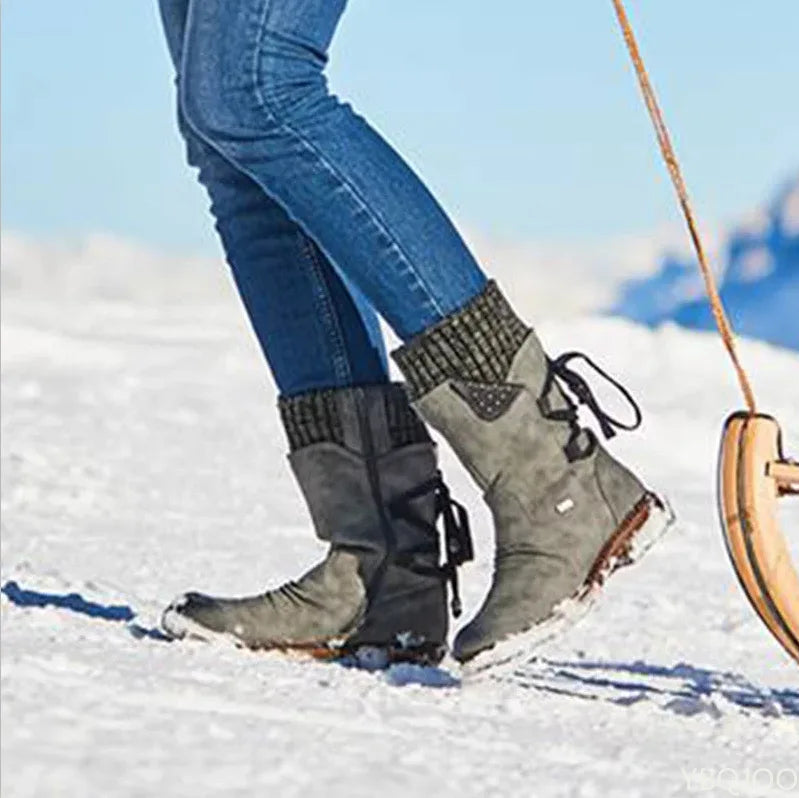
(367, 469)
(566, 513)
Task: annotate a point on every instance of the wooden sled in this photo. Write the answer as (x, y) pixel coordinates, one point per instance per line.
(753, 474)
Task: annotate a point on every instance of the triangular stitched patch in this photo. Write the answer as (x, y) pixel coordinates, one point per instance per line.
(488, 401)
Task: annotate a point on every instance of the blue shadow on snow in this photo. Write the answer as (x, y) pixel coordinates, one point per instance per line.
(682, 685)
(73, 602)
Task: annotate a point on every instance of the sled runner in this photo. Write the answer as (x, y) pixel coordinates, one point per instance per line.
(753, 472)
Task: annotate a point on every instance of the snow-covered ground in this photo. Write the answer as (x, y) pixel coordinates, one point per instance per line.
(141, 456)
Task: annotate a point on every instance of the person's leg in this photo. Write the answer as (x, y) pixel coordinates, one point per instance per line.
(315, 331)
(566, 513)
(254, 87)
(362, 457)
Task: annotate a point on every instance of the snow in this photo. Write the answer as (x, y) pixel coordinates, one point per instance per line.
(141, 456)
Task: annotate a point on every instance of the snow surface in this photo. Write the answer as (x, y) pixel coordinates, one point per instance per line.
(141, 456)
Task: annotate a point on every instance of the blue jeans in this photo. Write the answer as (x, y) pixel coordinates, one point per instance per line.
(323, 224)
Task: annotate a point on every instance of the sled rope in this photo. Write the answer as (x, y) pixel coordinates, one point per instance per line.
(670, 157)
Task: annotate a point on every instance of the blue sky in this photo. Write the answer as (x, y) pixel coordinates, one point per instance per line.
(524, 120)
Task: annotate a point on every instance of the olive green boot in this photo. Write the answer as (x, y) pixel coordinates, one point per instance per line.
(368, 471)
(566, 513)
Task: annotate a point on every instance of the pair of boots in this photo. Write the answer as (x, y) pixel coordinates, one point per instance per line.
(566, 514)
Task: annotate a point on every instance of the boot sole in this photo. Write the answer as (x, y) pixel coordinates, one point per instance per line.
(369, 657)
(644, 525)
(179, 627)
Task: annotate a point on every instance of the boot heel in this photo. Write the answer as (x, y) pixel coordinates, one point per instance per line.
(643, 526)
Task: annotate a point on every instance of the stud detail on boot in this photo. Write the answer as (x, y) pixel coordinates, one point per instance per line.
(489, 402)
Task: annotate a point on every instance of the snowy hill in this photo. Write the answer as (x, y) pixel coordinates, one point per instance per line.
(759, 282)
(141, 456)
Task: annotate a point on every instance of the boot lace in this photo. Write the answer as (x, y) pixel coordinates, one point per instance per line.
(582, 442)
(458, 546)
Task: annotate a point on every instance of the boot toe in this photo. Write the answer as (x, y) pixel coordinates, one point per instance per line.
(486, 631)
(191, 613)
(471, 641)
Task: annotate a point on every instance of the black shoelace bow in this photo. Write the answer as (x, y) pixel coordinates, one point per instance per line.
(558, 369)
(457, 534)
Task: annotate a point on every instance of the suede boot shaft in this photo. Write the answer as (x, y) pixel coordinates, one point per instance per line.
(482, 378)
(359, 455)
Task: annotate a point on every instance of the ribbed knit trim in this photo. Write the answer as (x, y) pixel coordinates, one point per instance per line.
(311, 418)
(404, 425)
(315, 418)
(477, 343)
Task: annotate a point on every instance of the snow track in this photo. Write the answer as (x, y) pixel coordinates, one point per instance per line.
(141, 457)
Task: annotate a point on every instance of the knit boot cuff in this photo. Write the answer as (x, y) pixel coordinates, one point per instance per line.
(316, 417)
(477, 344)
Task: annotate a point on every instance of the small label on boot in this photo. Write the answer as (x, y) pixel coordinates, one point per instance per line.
(564, 506)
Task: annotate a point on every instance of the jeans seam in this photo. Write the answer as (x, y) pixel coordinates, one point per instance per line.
(341, 361)
(340, 356)
(267, 107)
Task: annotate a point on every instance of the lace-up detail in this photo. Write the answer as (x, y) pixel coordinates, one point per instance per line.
(582, 442)
(457, 533)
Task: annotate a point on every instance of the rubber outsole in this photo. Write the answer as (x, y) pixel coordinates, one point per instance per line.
(404, 649)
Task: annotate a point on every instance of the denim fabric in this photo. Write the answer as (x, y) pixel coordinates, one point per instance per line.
(315, 332)
(320, 219)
